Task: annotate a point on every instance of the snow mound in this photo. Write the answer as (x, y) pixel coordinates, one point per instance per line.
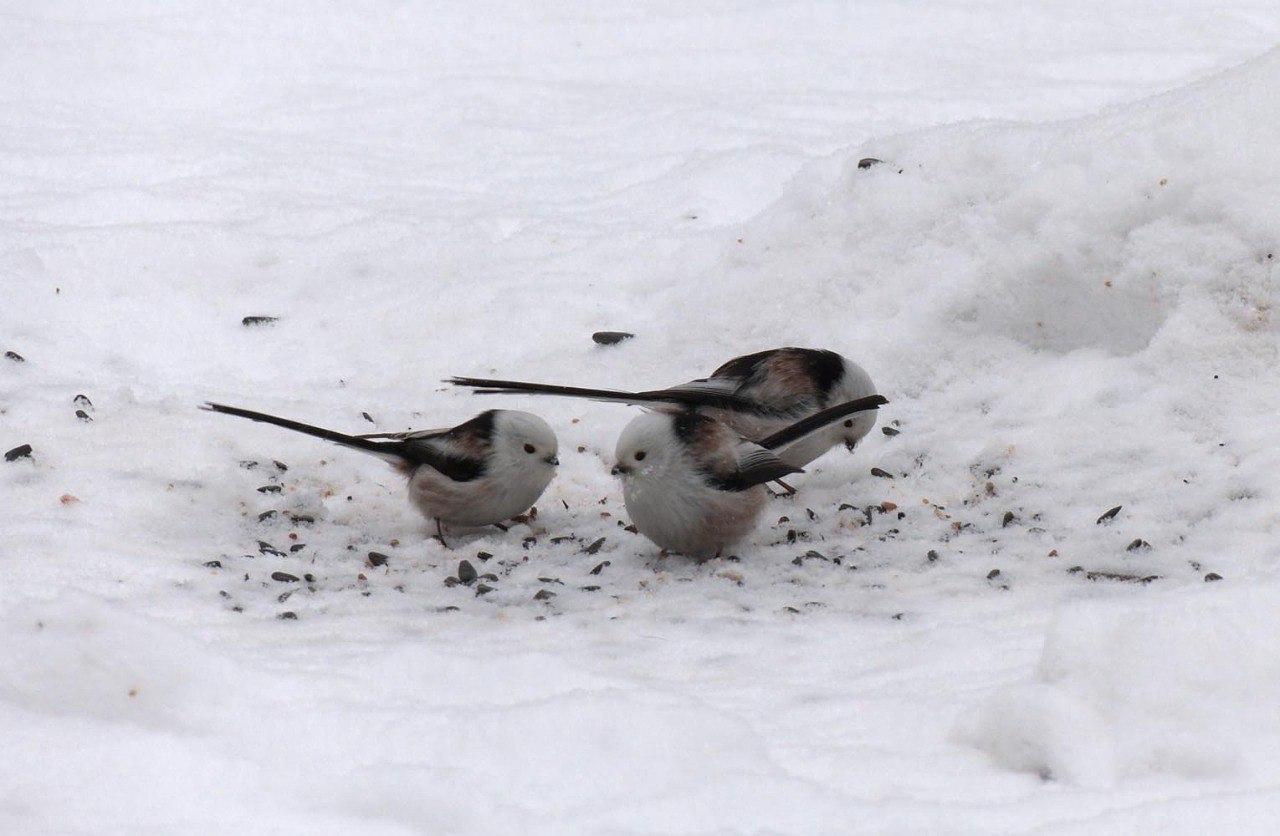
(79, 657)
(1178, 687)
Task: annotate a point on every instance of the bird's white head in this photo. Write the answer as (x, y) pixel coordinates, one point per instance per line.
(523, 440)
(648, 445)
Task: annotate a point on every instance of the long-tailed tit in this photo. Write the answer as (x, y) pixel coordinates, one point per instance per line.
(481, 472)
(755, 395)
(693, 485)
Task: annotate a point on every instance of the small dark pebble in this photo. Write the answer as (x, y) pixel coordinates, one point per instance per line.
(483, 556)
(378, 559)
(599, 567)
(309, 578)
(890, 431)
(83, 416)
(213, 564)
(288, 615)
(867, 162)
(932, 556)
(610, 337)
(22, 451)
(1109, 515)
(251, 321)
(266, 515)
(366, 416)
(280, 466)
(1212, 576)
(297, 547)
(15, 357)
(82, 401)
(1137, 545)
(284, 577)
(266, 548)
(1008, 518)
(589, 588)
(594, 547)
(544, 595)
(269, 489)
(466, 572)
(482, 588)
(993, 574)
(883, 474)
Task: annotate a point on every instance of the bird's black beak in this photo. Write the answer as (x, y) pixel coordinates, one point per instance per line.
(619, 470)
(552, 460)
(850, 445)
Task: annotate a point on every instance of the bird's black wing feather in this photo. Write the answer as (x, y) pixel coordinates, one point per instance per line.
(821, 419)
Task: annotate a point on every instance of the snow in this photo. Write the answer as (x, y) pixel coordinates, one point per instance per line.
(1062, 276)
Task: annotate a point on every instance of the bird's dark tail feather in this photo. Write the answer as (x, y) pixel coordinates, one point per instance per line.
(818, 420)
(484, 386)
(389, 450)
(678, 396)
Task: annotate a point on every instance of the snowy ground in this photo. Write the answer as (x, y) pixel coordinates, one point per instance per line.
(1063, 277)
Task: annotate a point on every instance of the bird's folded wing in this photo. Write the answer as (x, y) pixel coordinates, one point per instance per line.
(756, 465)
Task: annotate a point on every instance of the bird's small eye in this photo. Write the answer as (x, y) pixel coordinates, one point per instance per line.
(639, 455)
(849, 423)
(530, 449)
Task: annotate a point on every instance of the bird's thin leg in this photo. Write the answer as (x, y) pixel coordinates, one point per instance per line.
(789, 491)
(500, 527)
(440, 533)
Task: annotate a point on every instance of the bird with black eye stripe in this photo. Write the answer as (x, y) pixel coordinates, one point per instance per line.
(481, 472)
(755, 395)
(694, 486)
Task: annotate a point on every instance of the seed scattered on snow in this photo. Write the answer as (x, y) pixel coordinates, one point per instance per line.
(993, 574)
(269, 489)
(589, 588)
(366, 416)
(1109, 515)
(932, 556)
(22, 451)
(377, 559)
(266, 515)
(466, 572)
(1137, 545)
(280, 466)
(868, 162)
(254, 321)
(890, 431)
(284, 577)
(266, 548)
(213, 564)
(600, 567)
(82, 401)
(297, 547)
(1008, 518)
(883, 474)
(594, 547)
(483, 588)
(301, 519)
(610, 337)
(483, 556)
(1212, 576)
(288, 615)
(544, 595)
(83, 416)
(15, 357)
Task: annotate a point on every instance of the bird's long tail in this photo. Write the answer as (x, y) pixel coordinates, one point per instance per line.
(391, 451)
(685, 396)
(818, 420)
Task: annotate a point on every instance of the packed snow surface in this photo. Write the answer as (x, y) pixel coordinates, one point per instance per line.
(1062, 274)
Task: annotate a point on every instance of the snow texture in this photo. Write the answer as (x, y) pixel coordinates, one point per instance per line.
(1062, 274)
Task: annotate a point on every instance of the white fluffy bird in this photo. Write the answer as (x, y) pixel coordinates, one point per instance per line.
(755, 395)
(481, 472)
(693, 485)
